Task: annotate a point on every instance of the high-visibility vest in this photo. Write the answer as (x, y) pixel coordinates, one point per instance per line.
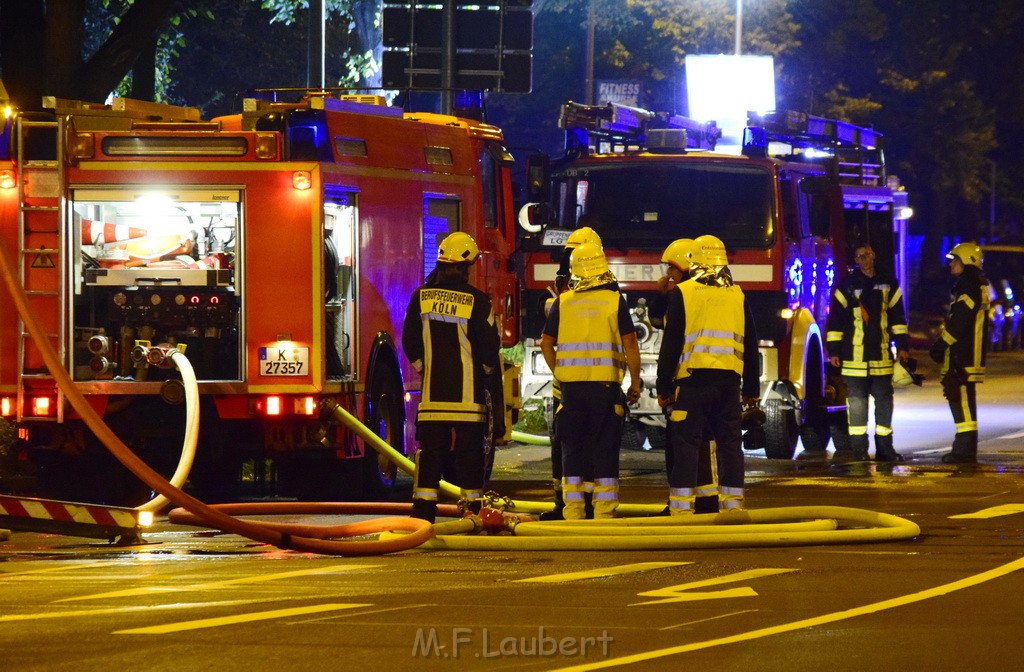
(714, 328)
(449, 392)
(589, 344)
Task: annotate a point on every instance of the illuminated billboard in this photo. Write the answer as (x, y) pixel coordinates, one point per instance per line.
(725, 88)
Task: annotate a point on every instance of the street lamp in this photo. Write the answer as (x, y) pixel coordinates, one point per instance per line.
(739, 26)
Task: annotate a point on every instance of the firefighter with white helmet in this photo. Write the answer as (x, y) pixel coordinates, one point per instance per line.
(707, 371)
(451, 338)
(584, 234)
(589, 341)
(961, 346)
(866, 318)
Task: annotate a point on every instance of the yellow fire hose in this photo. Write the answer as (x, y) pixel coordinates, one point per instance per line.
(735, 528)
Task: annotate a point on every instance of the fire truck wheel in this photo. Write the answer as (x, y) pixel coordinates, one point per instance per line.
(657, 437)
(780, 430)
(386, 418)
(634, 435)
(814, 433)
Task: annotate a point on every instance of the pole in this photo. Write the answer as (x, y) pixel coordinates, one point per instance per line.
(992, 206)
(588, 95)
(447, 56)
(316, 31)
(739, 27)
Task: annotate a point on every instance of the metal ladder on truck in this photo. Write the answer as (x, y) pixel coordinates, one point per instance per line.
(40, 261)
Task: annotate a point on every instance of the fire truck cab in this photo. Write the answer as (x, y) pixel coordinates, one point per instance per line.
(790, 209)
(280, 246)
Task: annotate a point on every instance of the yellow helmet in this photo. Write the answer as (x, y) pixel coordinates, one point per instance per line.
(679, 253)
(588, 261)
(584, 234)
(968, 253)
(458, 247)
(709, 251)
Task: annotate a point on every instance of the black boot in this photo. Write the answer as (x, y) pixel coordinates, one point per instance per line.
(588, 505)
(884, 452)
(555, 513)
(965, 449)
(424, 509)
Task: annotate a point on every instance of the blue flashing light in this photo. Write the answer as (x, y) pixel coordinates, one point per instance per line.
(755, 141)
(5, 137)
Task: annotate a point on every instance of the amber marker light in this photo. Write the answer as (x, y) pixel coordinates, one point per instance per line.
(302, 180)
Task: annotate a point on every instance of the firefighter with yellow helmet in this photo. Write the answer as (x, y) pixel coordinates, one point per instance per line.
(584, 234)
(589, 342)
(961, 346)
(451, 338)
(707, 370)
(676, 262)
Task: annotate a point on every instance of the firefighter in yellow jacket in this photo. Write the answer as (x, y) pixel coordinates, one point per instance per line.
(451, 338)
(960, 349)
(707, 369)
(582, 235)
(589, 342)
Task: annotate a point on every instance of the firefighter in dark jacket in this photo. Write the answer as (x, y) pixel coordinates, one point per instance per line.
(584, 234)
(960, 349)
(865, 318)
(707, 370)
(451, 338)
(588, 342)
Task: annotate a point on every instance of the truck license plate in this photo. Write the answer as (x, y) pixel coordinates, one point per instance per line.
(284, 361)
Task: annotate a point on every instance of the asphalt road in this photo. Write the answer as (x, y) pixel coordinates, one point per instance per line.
(946, 599)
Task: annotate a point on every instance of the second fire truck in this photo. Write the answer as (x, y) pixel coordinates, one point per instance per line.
(790, 208)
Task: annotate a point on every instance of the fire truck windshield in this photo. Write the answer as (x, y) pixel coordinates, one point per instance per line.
(646, 205)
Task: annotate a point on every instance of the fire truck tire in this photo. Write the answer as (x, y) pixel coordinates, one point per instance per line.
(814, 433)
(634, 435)
(386, 419)
(657, 437)
(780, 430)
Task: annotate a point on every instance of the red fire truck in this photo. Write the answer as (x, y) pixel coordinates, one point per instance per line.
(279, 245)
(789, 207)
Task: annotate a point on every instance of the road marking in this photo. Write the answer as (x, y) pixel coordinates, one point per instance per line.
(235, 620)
(63, 568)
(129, 592)
(678, 593)
(993, 512)
(705, 620)
(123, 610)
(1017, 435)
(600, 573)
(934, 451)
(834, 617)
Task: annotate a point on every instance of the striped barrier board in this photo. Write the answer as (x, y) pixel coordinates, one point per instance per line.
(79, 520)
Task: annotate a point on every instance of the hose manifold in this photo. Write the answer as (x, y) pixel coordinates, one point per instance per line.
(145, 354)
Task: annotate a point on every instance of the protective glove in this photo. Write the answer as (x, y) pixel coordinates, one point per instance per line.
(938, 351)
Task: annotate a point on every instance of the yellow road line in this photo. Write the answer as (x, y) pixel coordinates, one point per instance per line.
(234, 620)
(146, 590)
(599, 573)
(121, 610)
(64, 568)
(993, 512)
(920, 596)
